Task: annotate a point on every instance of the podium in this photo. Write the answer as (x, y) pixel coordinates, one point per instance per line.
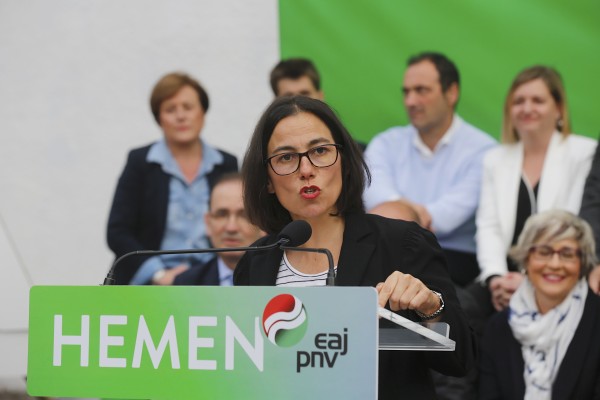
(141, 342)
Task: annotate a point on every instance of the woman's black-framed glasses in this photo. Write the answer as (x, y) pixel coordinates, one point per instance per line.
(321, 156)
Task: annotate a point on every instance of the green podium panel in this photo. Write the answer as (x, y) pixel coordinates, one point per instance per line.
(151, 342)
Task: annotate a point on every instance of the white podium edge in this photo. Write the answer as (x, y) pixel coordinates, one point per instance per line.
(446, 343)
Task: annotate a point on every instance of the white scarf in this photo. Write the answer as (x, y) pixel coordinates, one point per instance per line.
(544, 338)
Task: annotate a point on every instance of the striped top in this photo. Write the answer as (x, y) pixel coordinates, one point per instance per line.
(289, 276)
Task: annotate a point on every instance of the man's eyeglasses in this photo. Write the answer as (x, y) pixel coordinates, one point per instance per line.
(222, 216)
(321, 156)
(544, 253)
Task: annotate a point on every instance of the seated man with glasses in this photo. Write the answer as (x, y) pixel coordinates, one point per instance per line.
(227, 226)
(545, 344)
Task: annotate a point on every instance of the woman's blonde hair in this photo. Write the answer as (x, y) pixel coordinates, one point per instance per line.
(554, 84)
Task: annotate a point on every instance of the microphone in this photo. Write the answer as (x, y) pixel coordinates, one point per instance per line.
(303, 231)
(296, 232)
(293, 234)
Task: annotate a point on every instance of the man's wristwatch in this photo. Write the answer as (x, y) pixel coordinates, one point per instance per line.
(436, 313)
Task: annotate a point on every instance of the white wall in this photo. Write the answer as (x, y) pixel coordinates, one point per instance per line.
(75, 77)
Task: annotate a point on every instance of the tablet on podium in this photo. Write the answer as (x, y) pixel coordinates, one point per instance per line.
(405, 334)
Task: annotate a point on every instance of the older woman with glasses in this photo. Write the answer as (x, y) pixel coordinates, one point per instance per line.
(302, 164)
(545, 345)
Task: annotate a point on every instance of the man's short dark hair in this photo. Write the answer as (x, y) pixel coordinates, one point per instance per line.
(295, 68)
(225, 178)
(445, 68)
(263, 208)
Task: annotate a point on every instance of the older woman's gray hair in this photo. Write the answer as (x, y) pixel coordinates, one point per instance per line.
(552, 226)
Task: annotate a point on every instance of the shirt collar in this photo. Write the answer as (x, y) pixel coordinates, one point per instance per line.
(444, 140)
(225, 273)
(159, 153)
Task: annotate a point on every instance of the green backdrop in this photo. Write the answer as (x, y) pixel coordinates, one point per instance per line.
(361, 47)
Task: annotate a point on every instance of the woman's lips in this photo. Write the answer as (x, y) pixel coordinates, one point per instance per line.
(553, 277)
(310, 192)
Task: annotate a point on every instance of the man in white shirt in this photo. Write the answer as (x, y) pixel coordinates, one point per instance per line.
(432, 167)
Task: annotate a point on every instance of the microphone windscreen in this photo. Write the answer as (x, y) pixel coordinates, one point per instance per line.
(297, 232)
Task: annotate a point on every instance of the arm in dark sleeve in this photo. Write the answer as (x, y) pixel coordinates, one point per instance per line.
(125, 218)
(590, 204)
(229, 164)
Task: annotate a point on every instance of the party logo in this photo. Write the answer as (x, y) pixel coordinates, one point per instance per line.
(284, 320)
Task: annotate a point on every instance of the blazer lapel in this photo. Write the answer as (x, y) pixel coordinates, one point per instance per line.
(553, 171)
(516, 367)
(356, 251)
(212, 273)
(507, 189)
(265, 267)
(583, 340)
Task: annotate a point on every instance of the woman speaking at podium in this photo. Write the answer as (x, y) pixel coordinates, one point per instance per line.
(302, 164)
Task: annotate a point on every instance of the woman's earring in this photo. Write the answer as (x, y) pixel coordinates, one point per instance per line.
(559, 123)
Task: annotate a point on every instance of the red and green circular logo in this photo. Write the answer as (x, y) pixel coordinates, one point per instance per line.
(284, 320)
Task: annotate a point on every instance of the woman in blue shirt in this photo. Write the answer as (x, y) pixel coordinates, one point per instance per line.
(163, 192)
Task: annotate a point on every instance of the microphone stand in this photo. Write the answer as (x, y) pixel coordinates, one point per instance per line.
(110, 280)
(330, 281)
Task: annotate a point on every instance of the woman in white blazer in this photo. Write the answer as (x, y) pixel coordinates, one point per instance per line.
(539, 166)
